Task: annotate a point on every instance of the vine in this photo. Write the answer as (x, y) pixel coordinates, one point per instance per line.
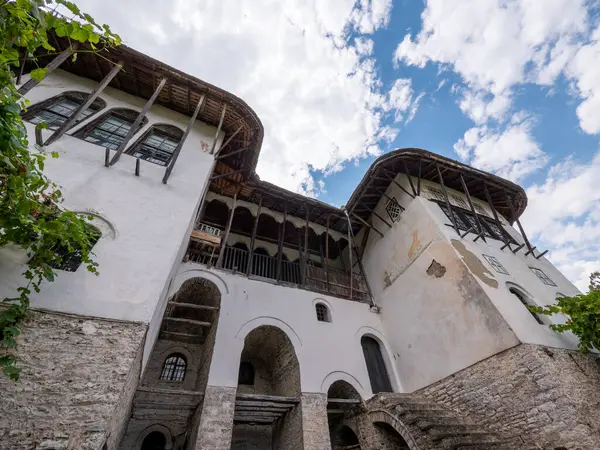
(31, 216)
(583, 312)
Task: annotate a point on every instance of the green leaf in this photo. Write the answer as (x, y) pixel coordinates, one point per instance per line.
(38, 74)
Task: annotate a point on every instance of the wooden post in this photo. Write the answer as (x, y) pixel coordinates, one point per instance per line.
(136, 124)
(412, 186)
(54, 64)
(227, 230)
(496, 218)
(228, 141)
(512, 210)
(305, 253)
(448, 205)
(368, 225)
(479, 225)
(253, 238)
(327, 254)
(214, 145)
(393, 180)
(419, 179)
(182, 141)
(280, 244)
(85, 105)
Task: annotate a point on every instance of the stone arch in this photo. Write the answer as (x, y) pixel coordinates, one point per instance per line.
(250, 325)
(196, 272)
(343, 436)
(335, 376)
(385, 422)
(527, 300)
(155, 428)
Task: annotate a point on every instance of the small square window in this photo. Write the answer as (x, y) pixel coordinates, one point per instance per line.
(496, 264)
(542, 276)
(394, 209)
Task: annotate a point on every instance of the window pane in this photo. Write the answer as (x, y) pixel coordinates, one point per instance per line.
(156, 148)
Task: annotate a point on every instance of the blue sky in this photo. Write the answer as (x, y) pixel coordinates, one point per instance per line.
(509, 86)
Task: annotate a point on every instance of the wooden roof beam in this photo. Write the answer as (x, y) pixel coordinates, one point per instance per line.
(54, 64)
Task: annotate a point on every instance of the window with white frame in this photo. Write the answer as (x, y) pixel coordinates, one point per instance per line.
(496, 264)
(542, 276)
(57, 110)
(393, 209)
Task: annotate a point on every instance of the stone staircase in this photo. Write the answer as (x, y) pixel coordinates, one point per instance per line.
(431, 426)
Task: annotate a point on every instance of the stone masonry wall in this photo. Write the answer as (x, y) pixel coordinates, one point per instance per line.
(216, 421)
(77, 374)
(548, 397)
(314, 422)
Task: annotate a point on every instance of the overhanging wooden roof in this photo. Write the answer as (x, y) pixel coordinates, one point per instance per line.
(140, 76)
(415, 161)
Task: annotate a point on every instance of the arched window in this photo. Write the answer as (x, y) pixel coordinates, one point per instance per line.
(110, 129)
(157, 144)
(154, 441)
(322, 313)
(174, 368)
(246, 375)
(378, 375)
(525, 300)
(56, 110)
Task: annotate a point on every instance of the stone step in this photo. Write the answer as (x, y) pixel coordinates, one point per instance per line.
(472, 440)
(442, 418)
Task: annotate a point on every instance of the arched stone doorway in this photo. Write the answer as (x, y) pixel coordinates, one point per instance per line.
(175, 379)
(341, 399)
(154, 441)
(376, 367)
(267, 410)
(387, 437)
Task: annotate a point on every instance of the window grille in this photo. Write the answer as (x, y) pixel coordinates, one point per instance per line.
(69, 261)
(158, 144)
(458, 201)
(393, 209)
(523, 300)
(322, 313)
(496, 264)
(56, 110)
(174, 368)
(110, 129)
(479, 209)
(436, 193)
(542, 276)
(246, 375)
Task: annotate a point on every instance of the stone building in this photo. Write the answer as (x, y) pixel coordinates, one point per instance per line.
(232, 314)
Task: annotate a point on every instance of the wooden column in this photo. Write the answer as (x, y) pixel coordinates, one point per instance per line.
(410, 182)
(280, 245)
(327, 254)
(214, 145)
(54, 64)
(512, 210)
(228, 141)
(419, 178)
(495, 214)
(227, 230)
(85, 105)
(182, 141)
(136, 124)
(466, 190)
(253, 238)
(303, 255)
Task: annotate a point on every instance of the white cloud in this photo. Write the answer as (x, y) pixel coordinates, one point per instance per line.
(495, 45)
(564, 215)
(511, 153)
(317, 93)
(400, 97)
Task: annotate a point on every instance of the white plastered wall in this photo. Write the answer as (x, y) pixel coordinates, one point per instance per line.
(150, 220)
(327, 352)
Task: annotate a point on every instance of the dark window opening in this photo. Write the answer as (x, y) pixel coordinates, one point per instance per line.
(110, 129)
(154, 441)
(70, 260)
(322, 313)
(57, 110)
(246, 375)
(157, 145)
(174, 368)
(523, 300)
(465, 220)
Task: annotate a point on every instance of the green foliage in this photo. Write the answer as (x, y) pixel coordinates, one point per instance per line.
(583, 311)
(31, 217)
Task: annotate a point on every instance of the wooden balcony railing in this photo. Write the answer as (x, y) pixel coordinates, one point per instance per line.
(332, 281)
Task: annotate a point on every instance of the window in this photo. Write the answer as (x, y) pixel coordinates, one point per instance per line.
(436, 194)
(157, 144)
(110, 129)
(496, 264)
(322, 313)
(394, 209)
(246, 375)
(174, 368)
(458, 201)
(70, 261)
(466, 220)
(479, 209)
(542, 276)
(522, 297)
(56, 110)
